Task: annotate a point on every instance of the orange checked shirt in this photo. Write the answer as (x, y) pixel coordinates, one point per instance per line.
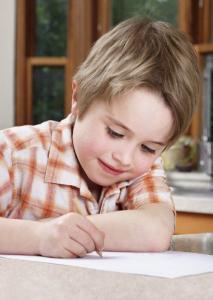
(40, 177)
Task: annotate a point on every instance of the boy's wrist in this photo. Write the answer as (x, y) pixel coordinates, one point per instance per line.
(19, 236)
(37, 229)
(36, 237)
(31, 231)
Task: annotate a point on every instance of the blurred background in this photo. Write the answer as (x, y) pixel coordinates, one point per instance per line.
(44, 41)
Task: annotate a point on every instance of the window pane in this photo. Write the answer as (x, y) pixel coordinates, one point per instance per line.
(211, 118)
(51, 27)
(164, 10)
(48, 94)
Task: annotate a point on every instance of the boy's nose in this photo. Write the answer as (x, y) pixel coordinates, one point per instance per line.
(123, 157)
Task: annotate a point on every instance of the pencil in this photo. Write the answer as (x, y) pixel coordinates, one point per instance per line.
(99, 253)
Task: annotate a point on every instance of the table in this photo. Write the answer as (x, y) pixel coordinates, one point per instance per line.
(32, 280)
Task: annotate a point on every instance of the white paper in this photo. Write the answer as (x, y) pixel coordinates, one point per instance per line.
(168, 264)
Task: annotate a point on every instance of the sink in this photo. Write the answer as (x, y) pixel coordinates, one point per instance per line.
(185, 190)
(196, 242)
(191, 191)
(183, 183)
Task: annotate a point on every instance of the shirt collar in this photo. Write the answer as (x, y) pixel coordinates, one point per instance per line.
(62, 165)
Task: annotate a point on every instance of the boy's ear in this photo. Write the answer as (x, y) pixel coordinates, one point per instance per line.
(74, 97)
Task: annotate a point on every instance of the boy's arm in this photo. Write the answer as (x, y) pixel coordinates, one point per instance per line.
(70, 235)
(18, 237)
(146, 229)
(148, 219)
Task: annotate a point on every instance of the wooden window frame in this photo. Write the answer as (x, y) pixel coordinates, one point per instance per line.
(87, 20)
(195, 19)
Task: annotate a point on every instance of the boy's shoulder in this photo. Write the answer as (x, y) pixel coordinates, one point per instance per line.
(21, 137)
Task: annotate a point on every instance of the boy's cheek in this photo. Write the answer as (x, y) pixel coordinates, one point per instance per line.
(94, 147)
(143, 166)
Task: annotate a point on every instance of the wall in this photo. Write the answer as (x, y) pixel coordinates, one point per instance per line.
(7, 62)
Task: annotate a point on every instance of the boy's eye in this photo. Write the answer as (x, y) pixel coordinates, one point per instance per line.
(146, 149)
(114, 134)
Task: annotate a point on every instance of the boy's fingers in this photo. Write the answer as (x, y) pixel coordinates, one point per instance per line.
(75, 248)
(82, 237)
(62, 252)
(96, 235)
(67, 254)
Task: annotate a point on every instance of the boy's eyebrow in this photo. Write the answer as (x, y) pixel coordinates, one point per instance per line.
(118, 123)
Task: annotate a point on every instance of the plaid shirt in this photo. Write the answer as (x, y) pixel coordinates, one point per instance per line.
(40, 177)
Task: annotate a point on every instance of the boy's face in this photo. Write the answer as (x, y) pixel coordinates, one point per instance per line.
(120, 141)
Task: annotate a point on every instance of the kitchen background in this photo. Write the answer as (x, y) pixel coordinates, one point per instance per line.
(42, 44)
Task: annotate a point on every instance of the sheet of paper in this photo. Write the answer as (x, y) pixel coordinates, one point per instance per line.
(168, 264)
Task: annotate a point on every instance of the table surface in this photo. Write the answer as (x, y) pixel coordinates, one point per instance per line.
(33, 280)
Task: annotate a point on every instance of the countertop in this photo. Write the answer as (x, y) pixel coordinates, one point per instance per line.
(32, 280)
(192, 191)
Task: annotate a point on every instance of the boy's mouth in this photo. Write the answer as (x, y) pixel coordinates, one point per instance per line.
(109, 169)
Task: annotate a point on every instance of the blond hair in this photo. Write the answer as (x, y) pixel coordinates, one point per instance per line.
(140, 53)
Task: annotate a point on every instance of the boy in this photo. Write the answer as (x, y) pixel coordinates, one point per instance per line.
(95, 180)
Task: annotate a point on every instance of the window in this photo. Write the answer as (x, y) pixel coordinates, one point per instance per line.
(46, 62)
(196, 19)
(53, 38)
(164, 10)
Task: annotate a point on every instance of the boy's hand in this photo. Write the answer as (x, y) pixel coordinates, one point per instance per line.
(68, 236)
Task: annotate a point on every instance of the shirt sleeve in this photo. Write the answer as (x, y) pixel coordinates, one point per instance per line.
(6, 181)
(150, 188)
